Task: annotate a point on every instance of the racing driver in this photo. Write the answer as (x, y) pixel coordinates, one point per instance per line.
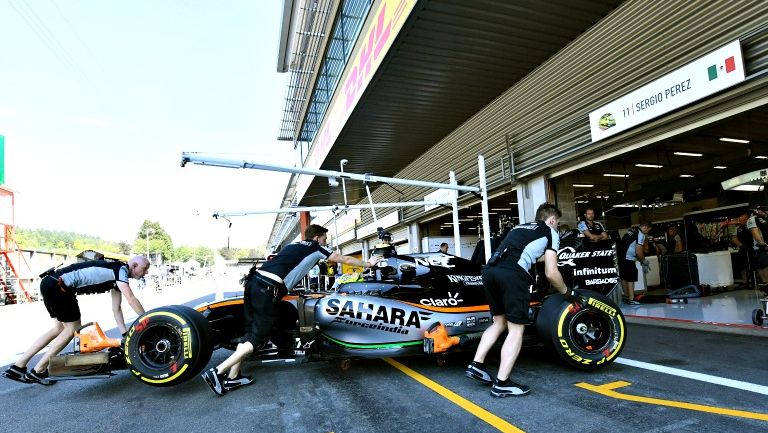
(506, 281)
(264, 287)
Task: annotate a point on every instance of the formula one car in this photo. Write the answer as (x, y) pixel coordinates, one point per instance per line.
(410, 304)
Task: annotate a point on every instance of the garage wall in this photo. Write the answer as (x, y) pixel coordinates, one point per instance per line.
(543, 118)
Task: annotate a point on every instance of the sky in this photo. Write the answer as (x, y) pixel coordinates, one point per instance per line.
(98, 99)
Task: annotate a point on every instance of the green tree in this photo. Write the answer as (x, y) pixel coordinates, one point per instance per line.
(183, 253)
(124, 248)
(204, 255)
(159, 240)
(63, 242)
(239, 253)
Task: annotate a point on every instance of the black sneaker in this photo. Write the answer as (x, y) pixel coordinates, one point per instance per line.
(508, 388)
(16, 373)
(631, 302)
(214, 381)
(42, 378)
(230, 384)
(477, 371)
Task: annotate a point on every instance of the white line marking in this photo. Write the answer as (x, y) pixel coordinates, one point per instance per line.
(746, 386)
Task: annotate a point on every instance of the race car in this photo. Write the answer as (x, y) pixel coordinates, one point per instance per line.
(429, 303)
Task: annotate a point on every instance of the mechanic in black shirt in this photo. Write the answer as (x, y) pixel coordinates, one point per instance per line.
(758, 227)
(264, 287)
(59, 289)
(743, 241)
(506, 281)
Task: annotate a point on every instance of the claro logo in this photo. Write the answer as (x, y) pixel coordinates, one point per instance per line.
(452, 300)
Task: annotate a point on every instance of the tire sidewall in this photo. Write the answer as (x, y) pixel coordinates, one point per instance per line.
(182, 329)
(554, 326)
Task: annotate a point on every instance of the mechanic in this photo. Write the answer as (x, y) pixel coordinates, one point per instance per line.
(444, 248)
(742, 239)
(506, 281)
(594, 230)
(631, 248)
(758, 227)
(672, 244)
(59, 289)
(264, 287)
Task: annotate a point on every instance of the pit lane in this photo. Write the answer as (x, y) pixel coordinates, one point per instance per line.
(374, 396)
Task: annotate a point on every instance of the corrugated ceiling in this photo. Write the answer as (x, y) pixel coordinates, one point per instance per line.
(451, 59)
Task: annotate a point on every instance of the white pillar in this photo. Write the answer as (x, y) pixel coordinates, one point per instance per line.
(529, 196)
(414, 238)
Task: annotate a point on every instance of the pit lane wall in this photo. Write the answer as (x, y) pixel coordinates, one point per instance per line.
(34, 262)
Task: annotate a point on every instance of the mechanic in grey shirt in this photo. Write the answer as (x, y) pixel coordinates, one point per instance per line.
(506, 282)
(264, 288)
(59, 289)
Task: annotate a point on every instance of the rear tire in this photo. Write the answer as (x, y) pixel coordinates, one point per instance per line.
(587, 338)
(168, 345)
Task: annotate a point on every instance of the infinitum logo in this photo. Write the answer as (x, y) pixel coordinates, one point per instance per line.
(728, 65)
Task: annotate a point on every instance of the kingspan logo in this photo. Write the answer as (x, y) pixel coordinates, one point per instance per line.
(452, 300)
(467, 280)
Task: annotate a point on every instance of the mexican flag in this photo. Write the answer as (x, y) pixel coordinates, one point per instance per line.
(730, 66)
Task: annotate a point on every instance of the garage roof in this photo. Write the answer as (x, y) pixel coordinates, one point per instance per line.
(451, 59)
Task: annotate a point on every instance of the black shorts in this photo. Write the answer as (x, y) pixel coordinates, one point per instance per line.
(260, 312)
(60, 302)
(507, 291)
(627, 270)
(740, 260)
(761, 260)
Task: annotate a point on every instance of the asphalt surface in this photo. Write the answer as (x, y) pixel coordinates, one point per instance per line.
(374, 396)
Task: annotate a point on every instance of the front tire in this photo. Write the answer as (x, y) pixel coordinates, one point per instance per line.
(168, 345)
(757, 317)
(587, 338)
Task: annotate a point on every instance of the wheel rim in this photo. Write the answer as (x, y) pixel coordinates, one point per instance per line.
(590, 331)
(160, 346)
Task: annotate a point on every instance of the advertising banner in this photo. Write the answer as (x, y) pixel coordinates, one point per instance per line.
(2, 160)
(591, 266)
(388, 19)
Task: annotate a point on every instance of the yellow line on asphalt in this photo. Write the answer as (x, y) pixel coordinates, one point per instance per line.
(608, 391)
(457, 399)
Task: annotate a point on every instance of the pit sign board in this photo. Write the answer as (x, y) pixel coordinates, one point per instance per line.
(704, 76)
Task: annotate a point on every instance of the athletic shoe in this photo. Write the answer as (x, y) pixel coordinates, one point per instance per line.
(508, 388)
(477, 371)
(631, 302)
(41, 378)
(230, 384)
(16, 373)
(214, 381)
